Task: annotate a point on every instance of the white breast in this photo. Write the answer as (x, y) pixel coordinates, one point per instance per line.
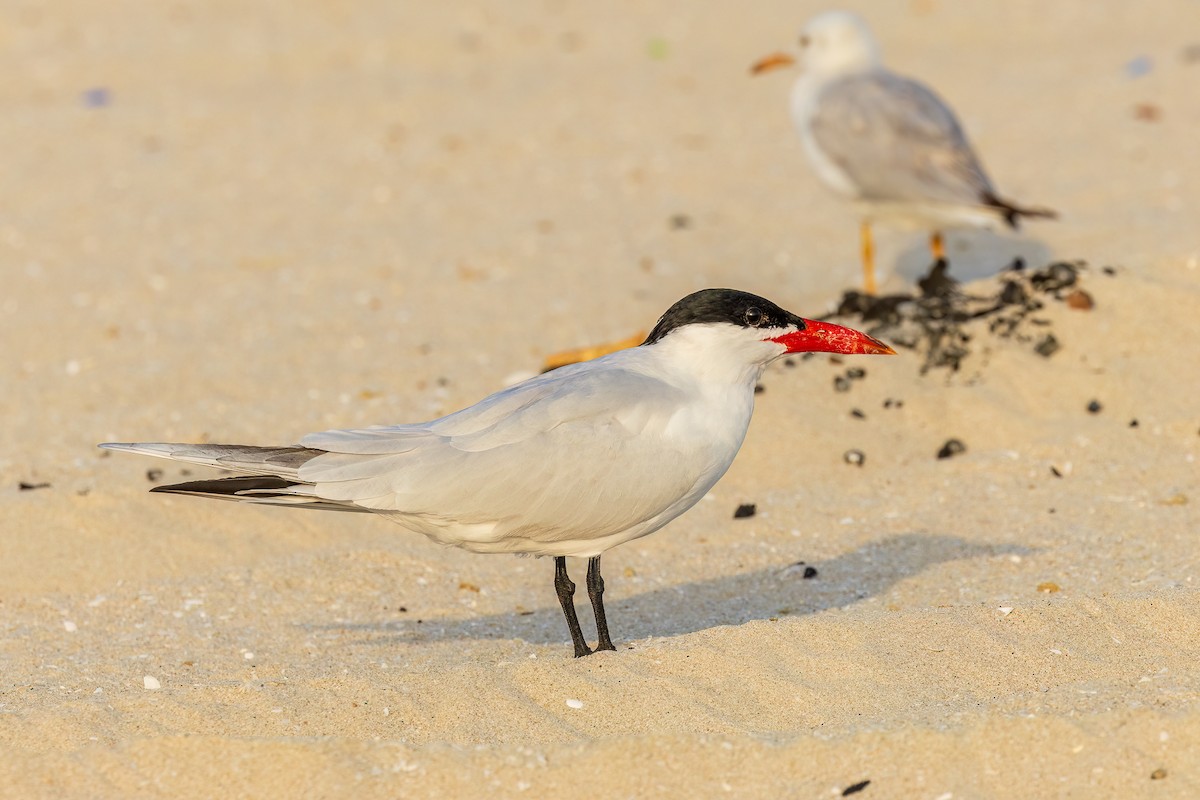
(805, 95)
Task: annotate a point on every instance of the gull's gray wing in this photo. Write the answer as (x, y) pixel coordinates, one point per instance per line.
(897, 141)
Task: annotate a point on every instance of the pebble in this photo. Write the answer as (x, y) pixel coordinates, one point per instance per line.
(1047, 587)
(951, 448)
(69, 626)
(745, 510)
(151, 683)
(1013, 294)
(854, 457)
(1138, 66)
(573, 703)
(1005, 610)
(1056, 276)
(1158, 774)
(1047, 346)
(96, 97)
(1080, 300)
(1094, 407)
(855, 788)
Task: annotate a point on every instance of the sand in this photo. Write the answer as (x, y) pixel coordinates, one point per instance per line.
(242, 222)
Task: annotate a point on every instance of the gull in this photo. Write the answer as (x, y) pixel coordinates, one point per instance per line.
(885, 141)
(569, 463)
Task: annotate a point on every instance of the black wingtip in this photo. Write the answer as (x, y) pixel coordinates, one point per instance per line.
(226, 486)
(1012, 212)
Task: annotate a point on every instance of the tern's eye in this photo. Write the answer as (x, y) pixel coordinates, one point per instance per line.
(755, 318)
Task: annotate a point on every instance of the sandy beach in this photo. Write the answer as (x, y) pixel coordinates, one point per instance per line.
(232, 222)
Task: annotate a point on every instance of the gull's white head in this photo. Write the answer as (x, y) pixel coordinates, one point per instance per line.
(837, 43)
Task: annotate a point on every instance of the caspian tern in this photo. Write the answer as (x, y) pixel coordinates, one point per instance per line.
(886, 141)
(569, 463)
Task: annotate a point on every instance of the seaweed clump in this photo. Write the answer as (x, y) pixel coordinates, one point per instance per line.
(945, 323)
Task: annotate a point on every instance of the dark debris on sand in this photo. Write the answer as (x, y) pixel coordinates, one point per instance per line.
(952, 448)
(745, 510)
(855, 788)
(944, 322)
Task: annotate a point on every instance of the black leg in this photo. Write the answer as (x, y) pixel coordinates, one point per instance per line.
(595, 587)
(566, 596)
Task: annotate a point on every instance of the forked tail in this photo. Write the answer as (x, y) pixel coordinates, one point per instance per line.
(271, 474)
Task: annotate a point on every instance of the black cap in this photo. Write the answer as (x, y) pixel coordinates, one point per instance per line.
(723, 305)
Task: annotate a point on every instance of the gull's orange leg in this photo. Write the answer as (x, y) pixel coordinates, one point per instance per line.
(868, 258)
(561, 359)
(937, 246)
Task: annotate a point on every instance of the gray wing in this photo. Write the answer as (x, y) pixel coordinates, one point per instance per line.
(547, 461)
(898, 141)
(283, 462)
(572, 455)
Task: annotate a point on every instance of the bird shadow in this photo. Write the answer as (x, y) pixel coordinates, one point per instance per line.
(727, 600)
(972, 255)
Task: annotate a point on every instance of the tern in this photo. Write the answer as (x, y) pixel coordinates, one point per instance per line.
(885, 141)
(569, 463)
